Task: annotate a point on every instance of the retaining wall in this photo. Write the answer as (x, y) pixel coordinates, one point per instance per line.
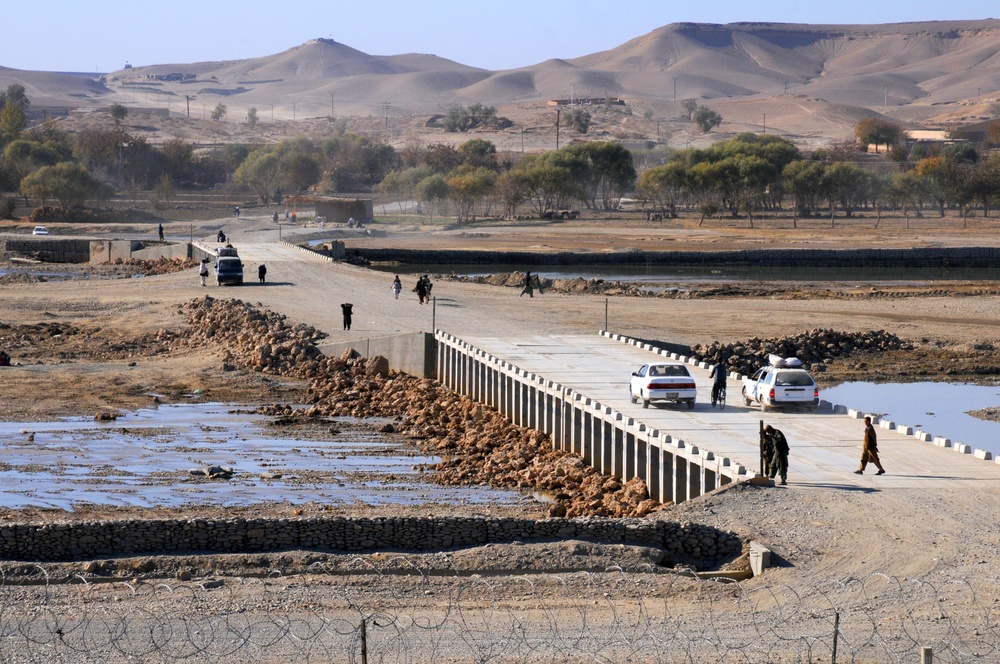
(687, 543)
(606, 439)
(415, 354)
(972, 257)
(50, 250)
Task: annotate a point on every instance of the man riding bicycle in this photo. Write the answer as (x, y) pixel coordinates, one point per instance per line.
(718, 375)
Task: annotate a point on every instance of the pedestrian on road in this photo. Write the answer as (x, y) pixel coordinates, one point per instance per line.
(236, 212)
(347, 309)
(529, 287)
(421, 290)
(275, 217)
(203, 271)
(159, 230)
(869, 451)
(397, 287)
(261, 272)
(779, 454)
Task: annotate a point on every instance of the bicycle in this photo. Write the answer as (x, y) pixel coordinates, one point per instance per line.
(719, 396)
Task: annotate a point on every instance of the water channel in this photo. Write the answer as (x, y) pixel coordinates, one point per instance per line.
(144, 459)
(938, 408)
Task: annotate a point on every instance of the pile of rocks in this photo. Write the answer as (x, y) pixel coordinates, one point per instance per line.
(161, 265)
(480, 445)
(255, 339)
(813, 347)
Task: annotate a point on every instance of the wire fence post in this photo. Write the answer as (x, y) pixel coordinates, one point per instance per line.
(836, 631)
(364, 642)
(434, 309)
(605, 314)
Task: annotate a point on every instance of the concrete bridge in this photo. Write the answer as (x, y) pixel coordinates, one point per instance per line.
(575, 388)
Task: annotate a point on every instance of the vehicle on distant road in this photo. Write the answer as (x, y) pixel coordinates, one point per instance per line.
(662, 381)
(40, 230)
(773, 387)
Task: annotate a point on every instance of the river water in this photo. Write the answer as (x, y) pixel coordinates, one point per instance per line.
(938, 408)
(144, 459)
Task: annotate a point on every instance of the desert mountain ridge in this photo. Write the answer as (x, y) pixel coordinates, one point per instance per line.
(809, 80)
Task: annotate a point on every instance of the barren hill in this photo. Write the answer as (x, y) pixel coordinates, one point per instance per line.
(801, 80)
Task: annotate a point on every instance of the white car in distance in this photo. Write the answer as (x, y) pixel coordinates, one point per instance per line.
(662, 381)
(40, 230)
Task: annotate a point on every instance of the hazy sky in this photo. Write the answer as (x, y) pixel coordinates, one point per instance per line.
(92, 35)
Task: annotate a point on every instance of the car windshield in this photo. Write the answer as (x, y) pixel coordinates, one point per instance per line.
(793, 378)
(668, 370)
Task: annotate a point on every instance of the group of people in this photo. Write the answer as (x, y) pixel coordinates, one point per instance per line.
(774, 452)
(422, 289)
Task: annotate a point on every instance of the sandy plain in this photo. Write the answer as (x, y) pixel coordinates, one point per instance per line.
(941, 536)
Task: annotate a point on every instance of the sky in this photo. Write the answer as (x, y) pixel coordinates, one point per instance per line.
(102, 35)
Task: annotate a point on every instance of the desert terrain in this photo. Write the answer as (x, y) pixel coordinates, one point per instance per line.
(100, 339)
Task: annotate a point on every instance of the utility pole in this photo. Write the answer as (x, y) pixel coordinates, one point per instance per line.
(557, 129)
(385, 110)
(331, 105)
(765, 123)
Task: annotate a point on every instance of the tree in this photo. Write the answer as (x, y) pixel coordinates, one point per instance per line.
(578, 119)
(13, 120)
(299, 172)
(611, 172)
(68, 183)
(512, 189)
(479, 153)
(219, 112)
(432, 189)
(706, 119)
(689, 106)
(458, 118)
(662, 186)
(252, 116)
(163, 192)
(467, 187)
(875, 131)
(23, 157)
(803, 180)
(261, 171)
(118, 113)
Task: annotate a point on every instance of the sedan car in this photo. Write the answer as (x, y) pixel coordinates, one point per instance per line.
(40, 230)
(664, 381)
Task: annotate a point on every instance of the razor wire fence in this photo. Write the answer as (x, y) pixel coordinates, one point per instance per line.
(397, 612)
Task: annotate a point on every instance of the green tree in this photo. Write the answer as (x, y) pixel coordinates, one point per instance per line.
(578, 119)
(662, 186)
(118, 113)
(457, 118)
(876, 131)
(479, 153)
(261, 171)
(803, 180)
(610, 174)
(252, 116)
(15, 94)
(13, 120)
(299, 172)
(706, 119)
(163, 192)
(512, 189)
(402, 185)
(68, 183)
(219, 112)
(468, 187)
(846, 186)
(432, 190)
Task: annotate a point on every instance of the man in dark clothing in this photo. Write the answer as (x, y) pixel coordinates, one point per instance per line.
(421, 289)
(529, 287)
(159, 230)
(779, 453)
(261, 272)
(347, 309)
(718, 376)
(869, 451)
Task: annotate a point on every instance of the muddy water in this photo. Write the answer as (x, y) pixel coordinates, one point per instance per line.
(144, 459)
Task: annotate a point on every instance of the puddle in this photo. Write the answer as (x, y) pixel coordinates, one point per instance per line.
(938, 408)
(144, 458)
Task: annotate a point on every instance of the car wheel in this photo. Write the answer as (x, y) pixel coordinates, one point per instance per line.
(691, 404)
(746, 400)
(763, 405)
(645, 403)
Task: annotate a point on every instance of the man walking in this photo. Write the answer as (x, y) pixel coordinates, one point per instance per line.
(261, 272)
(203, 270)
(529, 286)
(348, 310)
(869, 451)
(779, 454)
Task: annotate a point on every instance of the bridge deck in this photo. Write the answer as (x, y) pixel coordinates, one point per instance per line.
(825, 447)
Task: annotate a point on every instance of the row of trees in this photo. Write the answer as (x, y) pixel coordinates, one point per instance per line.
(751, 172)
(740, 176)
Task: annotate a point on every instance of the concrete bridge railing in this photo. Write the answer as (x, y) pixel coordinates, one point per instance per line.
(604, 438)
